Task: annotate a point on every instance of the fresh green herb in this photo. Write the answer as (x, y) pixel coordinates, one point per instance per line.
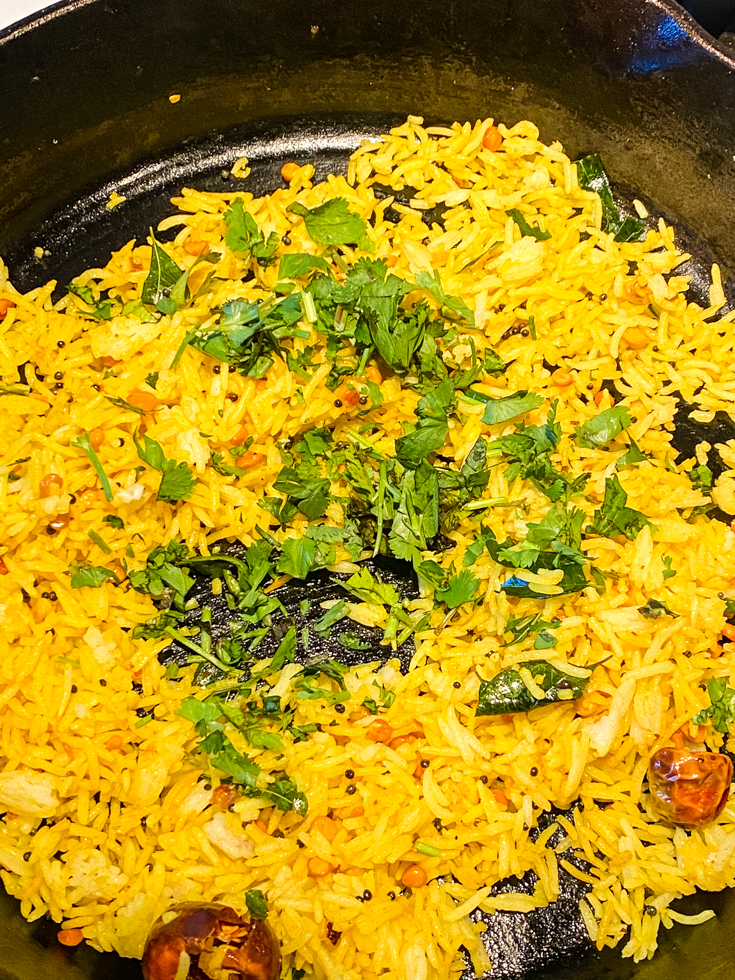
(244, 237)
(668, 571)
(432, 427)
(524, 626)
(83, 442)
(114, 521)
(186, 340)
(458, 589)
(99, 541)
(297, 558)
(305, 492)
(722, 706)
(162, 571)
(205, 716)
(143, 721)
(428, 849)
(125, 405)
(614, 517)
(432, 284)
(297, 264)
(702, 478)
(368, 588)
(532, 326)
(602, 428)
(89, 576)
(333, 615)
(256, 904)
(332, 223)
(163, 275)
(507, 693)
(632, 456)
(525, 229)
(177, 480)
(656, 609)
(591, 176)
(416, 518)
(247, 335)
(351, 641)
(100, 310)
(500, 410)
(152, 379)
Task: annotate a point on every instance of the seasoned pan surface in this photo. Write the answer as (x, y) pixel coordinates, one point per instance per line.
(90, 84)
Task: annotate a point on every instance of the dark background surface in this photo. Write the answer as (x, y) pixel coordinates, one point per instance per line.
(85, 109)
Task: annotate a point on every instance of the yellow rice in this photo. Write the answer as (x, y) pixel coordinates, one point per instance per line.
(108, 822)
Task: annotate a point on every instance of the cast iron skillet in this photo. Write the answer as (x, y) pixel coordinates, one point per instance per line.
(84, 109)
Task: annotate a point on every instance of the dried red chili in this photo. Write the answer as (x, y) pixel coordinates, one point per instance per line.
(211, 935)
(689, 789)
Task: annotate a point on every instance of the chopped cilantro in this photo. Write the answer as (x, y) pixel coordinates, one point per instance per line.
(177, 480)
(244, 237)
(332, 223)
(510, 407)
(602, 428)
(90, 576)
(722, 706)
(614, 517)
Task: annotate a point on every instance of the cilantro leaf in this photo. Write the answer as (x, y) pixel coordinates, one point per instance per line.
(100, 310)
(432, 284)
(656, 609)
(432, 428)
(177, 480)
(668, 571)
(114, 521)
(600, 429)
(632, 456)
(90, 576)
(525, 229)
(614, 517)
(332, 223)
(701, 478)
(460, 588)
(304, 492)
(429, 435)
(298, 557)
(150, 451)
(722, 706)
(256, 904)
(244, 237)
(510, 407)
(416, 519)
(368, 588)
(296, 264)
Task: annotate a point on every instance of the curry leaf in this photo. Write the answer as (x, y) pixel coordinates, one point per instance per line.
(163, 274)
(525, 229)
(507, 692)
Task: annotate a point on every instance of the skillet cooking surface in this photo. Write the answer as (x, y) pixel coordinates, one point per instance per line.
(638, 88)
